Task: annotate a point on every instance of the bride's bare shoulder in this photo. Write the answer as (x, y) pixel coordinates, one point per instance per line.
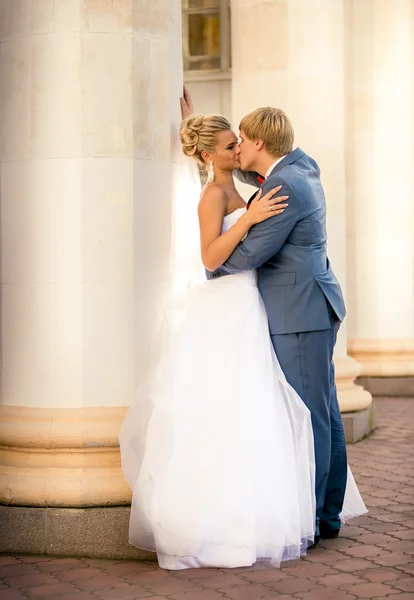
(213, 200)
(213, 192)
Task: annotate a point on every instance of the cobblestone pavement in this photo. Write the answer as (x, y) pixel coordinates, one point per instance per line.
(372, 559)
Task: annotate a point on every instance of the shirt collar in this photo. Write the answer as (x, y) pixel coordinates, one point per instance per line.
(270, 169)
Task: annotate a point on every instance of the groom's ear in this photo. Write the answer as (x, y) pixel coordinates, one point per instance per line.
(259, 144)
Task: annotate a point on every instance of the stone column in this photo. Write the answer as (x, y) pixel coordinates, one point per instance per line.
(296, 62)
(380, 154)
(89, 95)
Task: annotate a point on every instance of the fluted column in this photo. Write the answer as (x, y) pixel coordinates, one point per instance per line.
(291, 55)
(89, 95)
(380, 160)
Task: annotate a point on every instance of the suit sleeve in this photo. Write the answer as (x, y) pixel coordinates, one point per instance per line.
(247, 177)
(265, 239)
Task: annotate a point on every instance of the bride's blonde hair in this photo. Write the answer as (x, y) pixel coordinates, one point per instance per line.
(198, 134)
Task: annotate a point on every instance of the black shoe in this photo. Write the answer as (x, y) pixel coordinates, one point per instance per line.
(329, 534)
(315, 543)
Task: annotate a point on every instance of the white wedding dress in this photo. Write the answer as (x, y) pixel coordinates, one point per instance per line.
(222, 466)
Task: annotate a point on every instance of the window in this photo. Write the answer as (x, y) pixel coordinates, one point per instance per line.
(206, 35)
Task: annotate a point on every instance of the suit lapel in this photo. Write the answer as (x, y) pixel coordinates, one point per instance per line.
(288, 160)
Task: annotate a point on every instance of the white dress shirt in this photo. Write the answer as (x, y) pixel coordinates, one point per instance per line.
(270, 169)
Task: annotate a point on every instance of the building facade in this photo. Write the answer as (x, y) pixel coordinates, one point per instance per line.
(89, 118)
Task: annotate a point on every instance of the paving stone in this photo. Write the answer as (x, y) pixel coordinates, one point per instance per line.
(9, 560)
(245, 592)
(78, 574)
(326, 594)
(311, 571)
(99, 582)
(198, 573)
(352, 565)
(404, 534)
(363, 551)
(278, 596)
(12, 595)
(148, 577)
(265, 576)
(405, 585)
(200, 595)
(17, 568)
(382, 575)
(339, 579)
(392, 560)
(369, 590)
(30, 580)
(127, 568)
(172, 586)
(371, 559)
(400, 597)
(293, 585)
(129, 592)
(33, 559)
(218, 581)
(78, 596)
(52, 592)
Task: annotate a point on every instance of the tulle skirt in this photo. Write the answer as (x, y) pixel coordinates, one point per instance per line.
(220, 459)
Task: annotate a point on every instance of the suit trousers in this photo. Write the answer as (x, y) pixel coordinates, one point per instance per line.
(307, 361)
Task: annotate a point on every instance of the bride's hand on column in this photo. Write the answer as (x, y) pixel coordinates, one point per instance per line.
(186, 104)
(266, 207)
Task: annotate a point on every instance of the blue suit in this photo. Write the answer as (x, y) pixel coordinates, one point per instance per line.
(304, 304)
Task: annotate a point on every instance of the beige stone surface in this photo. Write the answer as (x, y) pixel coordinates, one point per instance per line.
(89, 121)
(56, 97)
(384, 358)
(99, 532)
(380, 155)
(308, 82)
(351, 397)
(15, 100)
(61, 457)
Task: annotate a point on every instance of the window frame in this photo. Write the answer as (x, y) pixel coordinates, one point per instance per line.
(224, 71)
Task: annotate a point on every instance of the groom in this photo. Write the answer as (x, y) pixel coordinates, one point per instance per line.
(302, 296)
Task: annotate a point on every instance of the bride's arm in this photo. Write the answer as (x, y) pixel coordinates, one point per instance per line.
(216, 247)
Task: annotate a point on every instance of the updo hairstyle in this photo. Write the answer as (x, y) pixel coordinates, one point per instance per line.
(198, 134)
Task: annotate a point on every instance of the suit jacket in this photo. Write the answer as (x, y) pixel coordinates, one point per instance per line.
(295, 278)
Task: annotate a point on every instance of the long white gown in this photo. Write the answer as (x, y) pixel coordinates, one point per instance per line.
(222, 466)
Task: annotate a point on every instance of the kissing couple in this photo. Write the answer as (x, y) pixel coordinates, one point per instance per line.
(244, 457)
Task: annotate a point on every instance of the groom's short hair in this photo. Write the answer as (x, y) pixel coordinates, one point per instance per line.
(272, 126)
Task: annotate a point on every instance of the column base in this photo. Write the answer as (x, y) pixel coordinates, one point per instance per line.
(61, 457)
(78, 532)
(388, 387)
(383, 358)
(358, 425)
(352, 397)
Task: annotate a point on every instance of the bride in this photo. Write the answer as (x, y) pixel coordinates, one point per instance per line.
(225, 472)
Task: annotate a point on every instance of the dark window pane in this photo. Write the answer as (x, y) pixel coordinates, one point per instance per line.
(204, 34)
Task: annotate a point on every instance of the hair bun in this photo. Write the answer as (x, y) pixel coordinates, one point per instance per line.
(189, 133)
(198, 134)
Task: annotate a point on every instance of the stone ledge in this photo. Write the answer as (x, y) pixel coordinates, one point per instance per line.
(388, 387)
(77, 532)
(359, 424)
